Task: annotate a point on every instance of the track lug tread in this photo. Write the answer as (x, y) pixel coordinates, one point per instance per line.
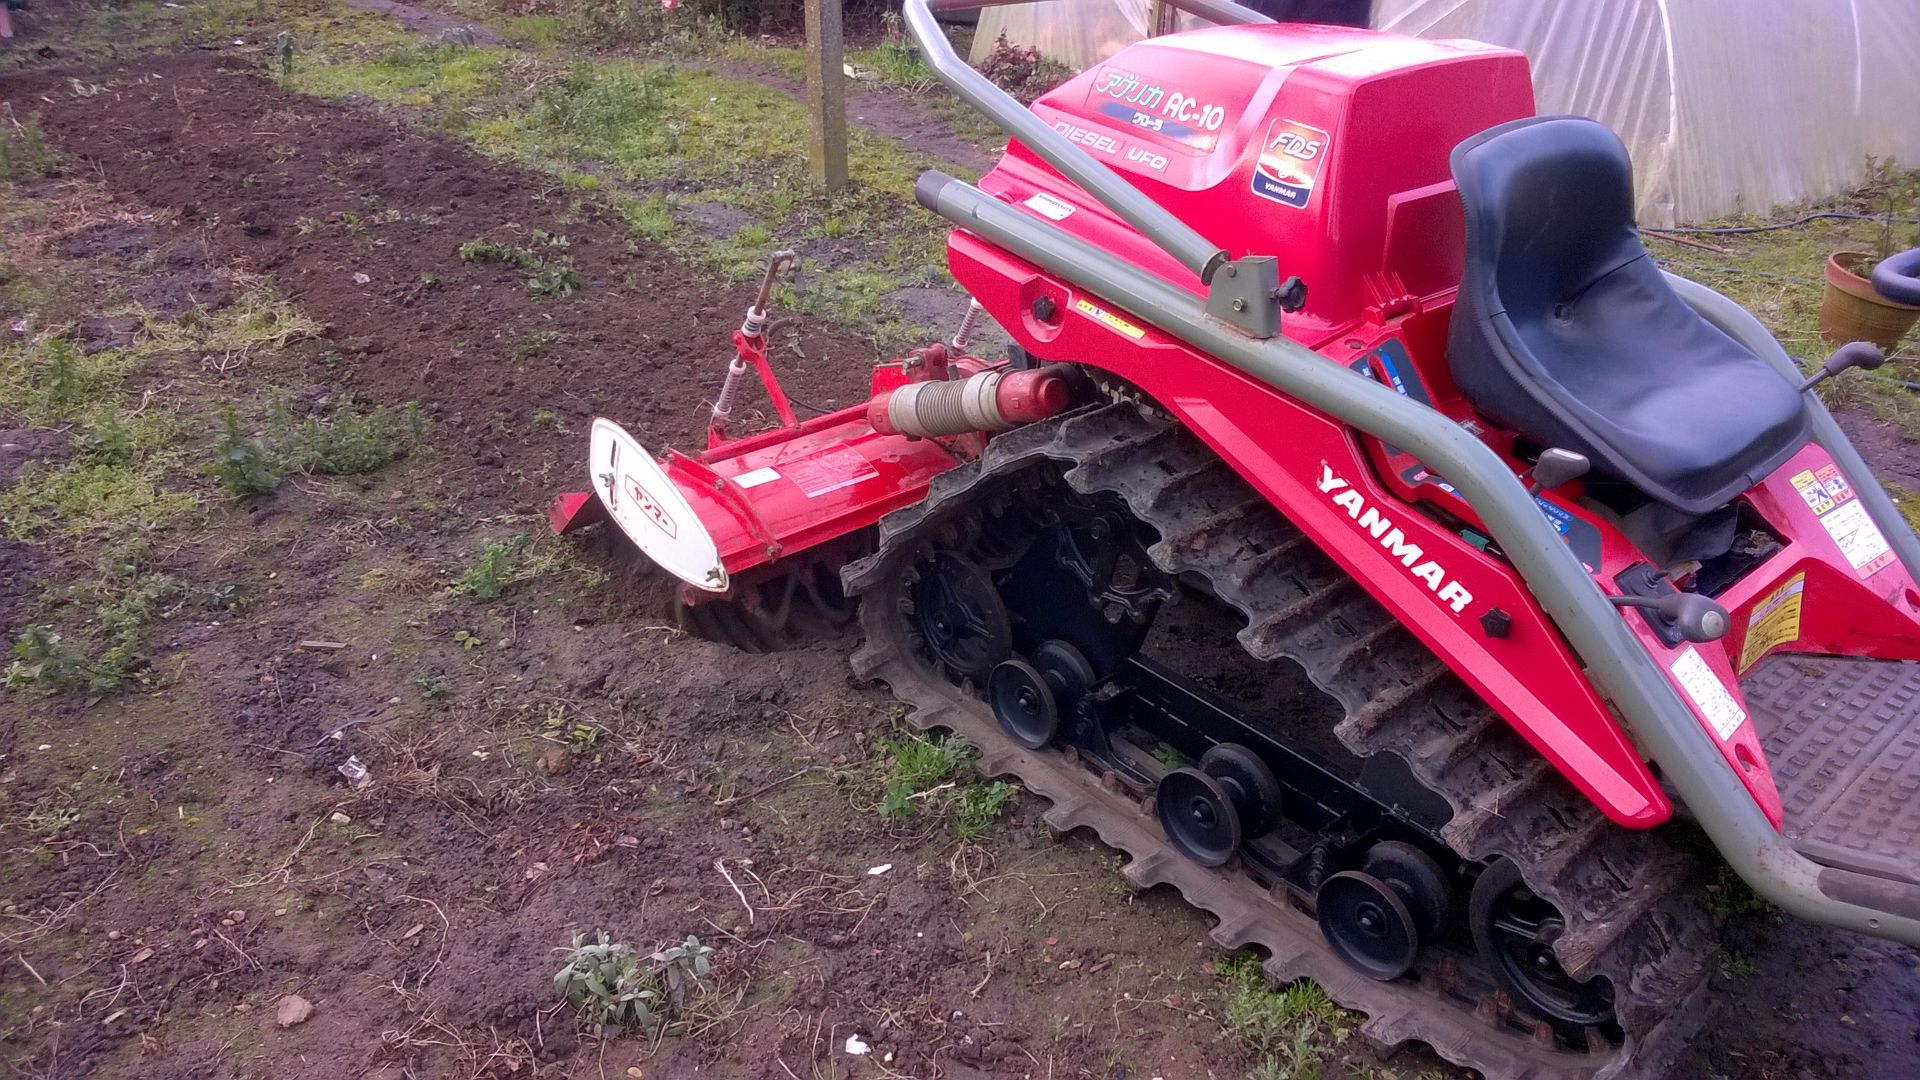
(1634, 914)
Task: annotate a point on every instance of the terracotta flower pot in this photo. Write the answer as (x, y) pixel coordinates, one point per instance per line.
(1853, 311)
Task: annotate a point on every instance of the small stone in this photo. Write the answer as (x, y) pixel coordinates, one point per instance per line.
(339, 818)
(238, 915)
(113, 935)
(555, 761)
(226, 922)
(293, 1009)
(243, 1007)
(279, 911)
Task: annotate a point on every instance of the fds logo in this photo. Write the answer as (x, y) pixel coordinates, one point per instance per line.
(1289, 162)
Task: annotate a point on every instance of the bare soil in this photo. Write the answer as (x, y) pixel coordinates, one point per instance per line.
(421, 923)
(207, 874)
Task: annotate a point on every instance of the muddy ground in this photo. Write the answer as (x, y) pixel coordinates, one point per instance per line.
(586, 765)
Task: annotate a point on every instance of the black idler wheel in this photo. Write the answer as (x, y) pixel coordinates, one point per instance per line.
(1199, 816)
(961, 618)
(1514, 930)
(1367, 922)
(1024, 704)
(1248, 781)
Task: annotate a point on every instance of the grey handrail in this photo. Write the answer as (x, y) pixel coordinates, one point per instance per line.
(1155, 222)
(1619, 666)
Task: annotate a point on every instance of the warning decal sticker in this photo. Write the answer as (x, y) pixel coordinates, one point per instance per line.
(1289, 162)
(1095, 311)
(1775, 621)
(1704, 687)
(1832, 500)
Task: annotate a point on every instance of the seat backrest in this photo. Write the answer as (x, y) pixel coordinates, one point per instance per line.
(1549, 203)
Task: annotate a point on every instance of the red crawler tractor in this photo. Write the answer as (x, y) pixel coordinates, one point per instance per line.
(1364, 535)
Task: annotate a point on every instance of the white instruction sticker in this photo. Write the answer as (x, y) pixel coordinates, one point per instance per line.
(1853, 530)
(842, 466)
(1706, 690)
(754, 479)
(1049, 207)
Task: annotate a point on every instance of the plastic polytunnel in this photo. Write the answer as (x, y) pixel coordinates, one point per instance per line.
(1726, 105)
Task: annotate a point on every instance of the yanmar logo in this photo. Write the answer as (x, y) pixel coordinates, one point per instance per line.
(651, 507)
(1372, 521)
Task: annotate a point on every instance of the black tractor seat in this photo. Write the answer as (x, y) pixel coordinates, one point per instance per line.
(1566, 332)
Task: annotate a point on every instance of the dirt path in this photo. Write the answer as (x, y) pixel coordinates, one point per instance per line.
(898, 114)
(426, 20)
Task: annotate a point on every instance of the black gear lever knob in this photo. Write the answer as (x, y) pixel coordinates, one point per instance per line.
(1698, 618)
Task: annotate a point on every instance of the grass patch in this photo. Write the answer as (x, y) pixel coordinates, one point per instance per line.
(918, 775)
(501, 566)
(495, 571)
(51, 380)
(1778, 276)
(1286, 1030)
(549, 274)
(83, 498)
(24, 154)
(117, 606)
(533, 344)
(346, 442)
(650, 136)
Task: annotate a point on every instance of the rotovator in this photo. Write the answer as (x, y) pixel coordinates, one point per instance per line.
(1364, 534)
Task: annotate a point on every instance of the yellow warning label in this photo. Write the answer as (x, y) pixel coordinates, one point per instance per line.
(1775, 621)
(1085, 307)
(1819, 500)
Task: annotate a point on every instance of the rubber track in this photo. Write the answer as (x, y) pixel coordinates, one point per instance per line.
(1634, 908)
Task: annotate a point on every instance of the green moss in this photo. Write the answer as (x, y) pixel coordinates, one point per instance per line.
(83, 498)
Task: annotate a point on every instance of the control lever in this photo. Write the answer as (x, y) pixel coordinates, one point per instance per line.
(1697, 617)
(1854, 354)
(1556, 467)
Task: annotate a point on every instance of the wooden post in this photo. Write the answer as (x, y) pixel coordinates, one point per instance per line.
(1161, 19)
(826, 96)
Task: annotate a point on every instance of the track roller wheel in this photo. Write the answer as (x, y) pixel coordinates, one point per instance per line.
(1024, 703)
(1417, 877)
(1248, 781)
(1066, 668)
(961, 618)
(1367, 922)
(1198, 815)
(1515, 931)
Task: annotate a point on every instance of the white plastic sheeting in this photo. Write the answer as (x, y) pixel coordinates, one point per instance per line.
(1078, 33)
(1726, 105)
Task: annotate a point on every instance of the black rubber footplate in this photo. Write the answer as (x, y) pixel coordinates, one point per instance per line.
(1843, 737)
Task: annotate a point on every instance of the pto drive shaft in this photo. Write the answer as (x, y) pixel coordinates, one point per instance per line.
(988, 401)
